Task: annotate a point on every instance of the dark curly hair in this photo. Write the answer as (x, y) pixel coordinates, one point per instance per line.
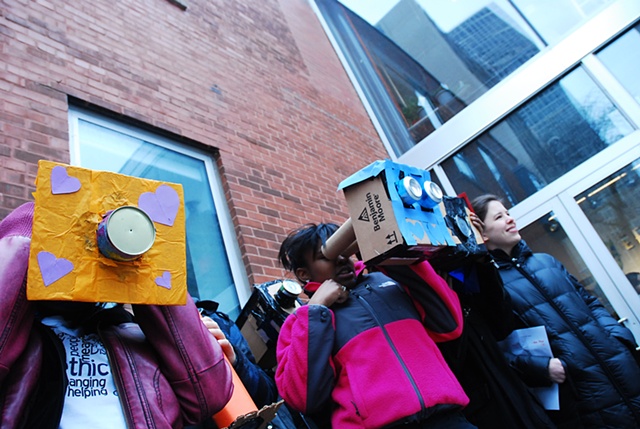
(302, 240)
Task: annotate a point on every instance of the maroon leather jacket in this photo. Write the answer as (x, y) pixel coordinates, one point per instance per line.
(168, 370)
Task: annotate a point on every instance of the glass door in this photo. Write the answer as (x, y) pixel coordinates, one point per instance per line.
(593, 228)
(547, 235)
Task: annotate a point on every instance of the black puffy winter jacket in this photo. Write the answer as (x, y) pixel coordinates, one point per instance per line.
(602, 389)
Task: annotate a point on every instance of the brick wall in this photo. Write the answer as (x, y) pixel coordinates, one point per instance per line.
(257, 81)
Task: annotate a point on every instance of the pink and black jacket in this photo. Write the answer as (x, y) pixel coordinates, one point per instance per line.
(374, 359)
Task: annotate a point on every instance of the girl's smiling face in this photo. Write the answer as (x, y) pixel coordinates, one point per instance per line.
(500, 231)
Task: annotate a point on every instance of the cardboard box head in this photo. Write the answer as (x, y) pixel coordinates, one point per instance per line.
(398, 215)
(66, 263)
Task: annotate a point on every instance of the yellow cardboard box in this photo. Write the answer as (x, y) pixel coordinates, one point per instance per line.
(65, 263)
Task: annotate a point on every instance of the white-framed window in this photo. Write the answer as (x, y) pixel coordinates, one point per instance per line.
(214, 265)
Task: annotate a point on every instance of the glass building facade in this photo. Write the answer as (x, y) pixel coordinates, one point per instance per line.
(537, 102)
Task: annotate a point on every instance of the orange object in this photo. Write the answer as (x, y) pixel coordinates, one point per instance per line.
(65, 262)
(239, 405)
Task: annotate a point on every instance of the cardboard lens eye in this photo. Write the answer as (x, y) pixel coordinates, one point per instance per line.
(432, 195)
(409, 190)
(125, 234)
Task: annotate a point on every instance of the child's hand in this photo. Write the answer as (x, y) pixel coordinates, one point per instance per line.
(475, 220)
(329, 293)
(556, 371)
(217, 333)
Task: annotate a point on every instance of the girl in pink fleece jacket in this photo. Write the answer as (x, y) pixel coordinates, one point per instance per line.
(363, 351)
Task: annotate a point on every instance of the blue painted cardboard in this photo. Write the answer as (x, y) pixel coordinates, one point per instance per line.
(384, 225)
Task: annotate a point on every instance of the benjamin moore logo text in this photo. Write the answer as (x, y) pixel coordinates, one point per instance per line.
(374, 211)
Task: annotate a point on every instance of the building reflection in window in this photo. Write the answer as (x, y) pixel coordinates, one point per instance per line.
(563, 126)
(622, 58)
(613, 208)
(420, 62)
(554, 19)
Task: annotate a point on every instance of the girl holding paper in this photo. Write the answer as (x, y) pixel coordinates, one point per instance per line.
(593, 354)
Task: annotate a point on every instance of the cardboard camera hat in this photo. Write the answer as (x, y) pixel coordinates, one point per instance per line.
(106, 237)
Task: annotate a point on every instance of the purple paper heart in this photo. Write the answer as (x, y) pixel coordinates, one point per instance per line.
(161, 205)
(62, 183)
(165, 280)
(53, 268)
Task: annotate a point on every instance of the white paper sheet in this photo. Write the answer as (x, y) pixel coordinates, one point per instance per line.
(534, 342)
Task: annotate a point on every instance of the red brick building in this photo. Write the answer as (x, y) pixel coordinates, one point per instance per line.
(255, 85)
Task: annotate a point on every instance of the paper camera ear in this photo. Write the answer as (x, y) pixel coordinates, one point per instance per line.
(161, 205)
(62, 183)
(52, 268)
(164, 280)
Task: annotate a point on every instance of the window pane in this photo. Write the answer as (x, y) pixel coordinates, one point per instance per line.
(208, 271)
(613, 208)
(546, 235)
(560, 128)
(420, 62)
(622, 58)
(554, 19)
(472, 45)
